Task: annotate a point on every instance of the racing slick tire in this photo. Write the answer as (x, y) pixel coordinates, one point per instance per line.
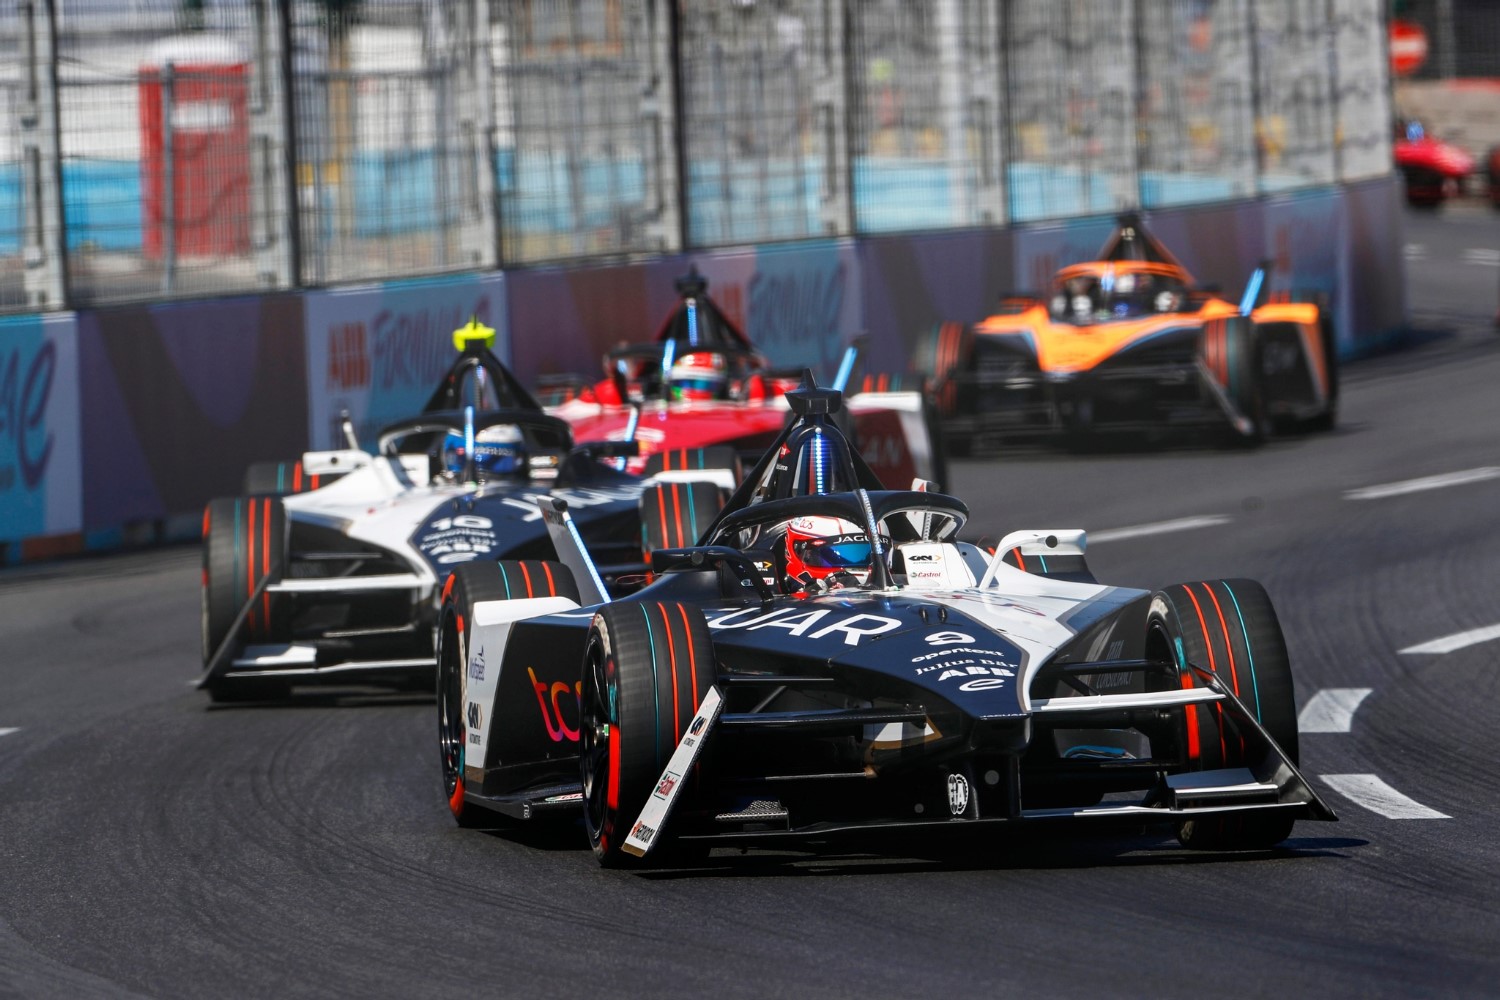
(647, 668)
(674, 515)
(1230, 628)
(284, 478)
(1326, 420)
(1232, 352)
(1492, 173)
(244, 542)
(943, 352)
(718, 456)
(469, 584)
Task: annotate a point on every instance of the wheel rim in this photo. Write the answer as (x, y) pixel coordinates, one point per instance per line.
(594, 738)
(451, 734)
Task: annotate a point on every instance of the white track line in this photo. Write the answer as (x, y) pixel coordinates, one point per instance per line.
(1159, 528)
(1425, 483)
(1483, 257)
(7, 732)
(1414, 251)
(1331, 710)
(1375, 795)
(1457, 640)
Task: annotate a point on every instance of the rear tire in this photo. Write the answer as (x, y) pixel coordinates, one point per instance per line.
(944, 352)
(647, 668)
(1229, 627)
(244, 542)
(675, 515)
(469, 584)
(718, 456)
(284, 478)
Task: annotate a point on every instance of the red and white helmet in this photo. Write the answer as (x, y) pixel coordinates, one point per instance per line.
(817, 547)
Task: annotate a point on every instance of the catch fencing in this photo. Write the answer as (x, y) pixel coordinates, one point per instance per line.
(175, 148)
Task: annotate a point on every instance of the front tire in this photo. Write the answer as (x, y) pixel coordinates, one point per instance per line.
(1234, 352)
(244, 543)
(1230, 628)
(468, 585)
(647, 668)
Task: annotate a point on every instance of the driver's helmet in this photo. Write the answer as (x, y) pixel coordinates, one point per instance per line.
(820, 547)
(498, 453)
(699, 375)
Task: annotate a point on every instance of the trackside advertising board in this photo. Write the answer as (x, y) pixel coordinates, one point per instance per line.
(40, 468)
(378, 351)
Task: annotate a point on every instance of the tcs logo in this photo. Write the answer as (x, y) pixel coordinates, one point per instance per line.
(561, 705)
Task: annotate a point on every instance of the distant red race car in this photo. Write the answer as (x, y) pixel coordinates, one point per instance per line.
(1434, 170)
(700, 384)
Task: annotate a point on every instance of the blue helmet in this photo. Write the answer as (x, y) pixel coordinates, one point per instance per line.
(498, 453)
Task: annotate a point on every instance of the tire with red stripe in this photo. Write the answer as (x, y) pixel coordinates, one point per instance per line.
(943, 352)
(1230, 350)
(285, 478)
(468, 585)
(1230, 628)
(675, 515)
(647, 667)
(244, 542)
(717, 456)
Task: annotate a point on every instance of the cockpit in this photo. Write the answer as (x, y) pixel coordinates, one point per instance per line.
(1111, 292)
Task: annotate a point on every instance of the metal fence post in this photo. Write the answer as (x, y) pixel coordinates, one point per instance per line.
(44, 243)
(952, 73)
(293, 205)
(480, 243)
(270, 177)
(168, 221)
(1252, 28)
(831, 111)
(660, 110)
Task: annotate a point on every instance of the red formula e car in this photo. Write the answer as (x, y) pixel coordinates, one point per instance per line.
(1129, 342)
(700, 387)
(1434, 170)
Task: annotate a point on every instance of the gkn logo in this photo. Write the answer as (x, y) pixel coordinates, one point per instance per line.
(476, 715)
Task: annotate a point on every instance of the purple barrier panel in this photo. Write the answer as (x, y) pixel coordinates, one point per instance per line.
(1040, 250)
(378, 351)
(39, 446)
(1218, 244)
(563, 321)
(798, 304)
(912, 283)
(1374, 263)
(178, 399)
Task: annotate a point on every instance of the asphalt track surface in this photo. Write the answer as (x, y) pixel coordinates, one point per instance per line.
(150, 845)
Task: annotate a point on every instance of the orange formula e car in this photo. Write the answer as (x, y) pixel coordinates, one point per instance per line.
(1128, 342)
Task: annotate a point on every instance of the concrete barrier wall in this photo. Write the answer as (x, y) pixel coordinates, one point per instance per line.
(116, 425)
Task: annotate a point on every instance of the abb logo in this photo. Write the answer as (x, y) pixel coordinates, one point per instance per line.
(561, 705)
(348, 356)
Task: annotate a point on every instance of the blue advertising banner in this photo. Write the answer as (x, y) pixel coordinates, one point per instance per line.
(39, 449)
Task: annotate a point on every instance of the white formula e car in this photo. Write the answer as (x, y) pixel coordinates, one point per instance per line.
(331, 569)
